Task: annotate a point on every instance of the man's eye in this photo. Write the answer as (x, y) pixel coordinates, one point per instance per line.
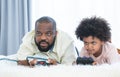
(48, 34)
(38, 33)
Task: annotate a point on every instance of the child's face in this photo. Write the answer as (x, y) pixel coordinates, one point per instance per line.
(93, 45)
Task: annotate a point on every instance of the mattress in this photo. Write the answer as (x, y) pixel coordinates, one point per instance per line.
(11, 69)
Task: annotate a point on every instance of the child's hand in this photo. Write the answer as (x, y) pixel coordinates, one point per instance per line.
(94, 63)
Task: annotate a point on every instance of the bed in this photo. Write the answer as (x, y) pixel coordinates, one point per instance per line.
(11, 69)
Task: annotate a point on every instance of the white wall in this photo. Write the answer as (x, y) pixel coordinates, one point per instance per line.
(68, 14)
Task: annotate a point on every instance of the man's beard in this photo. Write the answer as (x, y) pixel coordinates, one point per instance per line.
(42, 49)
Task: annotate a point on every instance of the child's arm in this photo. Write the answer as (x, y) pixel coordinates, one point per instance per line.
(113, 56)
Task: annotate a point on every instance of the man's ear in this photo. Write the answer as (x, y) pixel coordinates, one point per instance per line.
(56, 33)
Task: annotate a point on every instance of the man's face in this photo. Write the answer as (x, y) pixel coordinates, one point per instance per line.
(44, 36)
(93, 45)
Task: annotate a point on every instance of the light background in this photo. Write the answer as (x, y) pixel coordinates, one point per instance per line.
(68, 14)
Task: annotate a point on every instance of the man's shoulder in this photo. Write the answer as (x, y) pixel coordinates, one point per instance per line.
(29, 35)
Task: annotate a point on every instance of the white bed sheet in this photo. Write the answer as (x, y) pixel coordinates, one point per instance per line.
(11, 69)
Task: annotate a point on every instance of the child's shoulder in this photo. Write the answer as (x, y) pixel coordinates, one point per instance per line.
(109, 47)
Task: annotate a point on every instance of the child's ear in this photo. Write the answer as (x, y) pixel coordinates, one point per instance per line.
(103, 42)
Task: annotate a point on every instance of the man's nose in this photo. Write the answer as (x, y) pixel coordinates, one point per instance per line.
(43, 37)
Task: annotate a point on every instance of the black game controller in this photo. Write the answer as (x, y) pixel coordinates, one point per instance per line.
(84, 60)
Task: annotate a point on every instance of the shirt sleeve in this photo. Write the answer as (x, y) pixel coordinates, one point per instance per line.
(23, 52)
(69, 56)
(112, 55)
(27, 46)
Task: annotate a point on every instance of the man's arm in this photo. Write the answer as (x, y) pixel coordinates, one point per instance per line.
(70, 54)
(23, 52)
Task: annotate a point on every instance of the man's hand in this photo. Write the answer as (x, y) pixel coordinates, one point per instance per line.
(49, 62)
(33, 62)
(52, 61)
(23, 62)
(27, 63)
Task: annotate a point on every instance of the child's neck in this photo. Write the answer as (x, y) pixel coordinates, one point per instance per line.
(98, 53)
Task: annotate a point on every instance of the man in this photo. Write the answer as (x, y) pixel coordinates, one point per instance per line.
(47, 42)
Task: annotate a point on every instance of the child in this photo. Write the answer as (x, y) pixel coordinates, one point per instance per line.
(95, 33)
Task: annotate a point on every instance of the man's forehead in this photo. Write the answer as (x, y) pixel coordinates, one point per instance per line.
(45, 29)
(44, 26)
(44, 23)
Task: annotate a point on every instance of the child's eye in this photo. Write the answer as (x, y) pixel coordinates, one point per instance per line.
(94, 43)
(85, 43)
